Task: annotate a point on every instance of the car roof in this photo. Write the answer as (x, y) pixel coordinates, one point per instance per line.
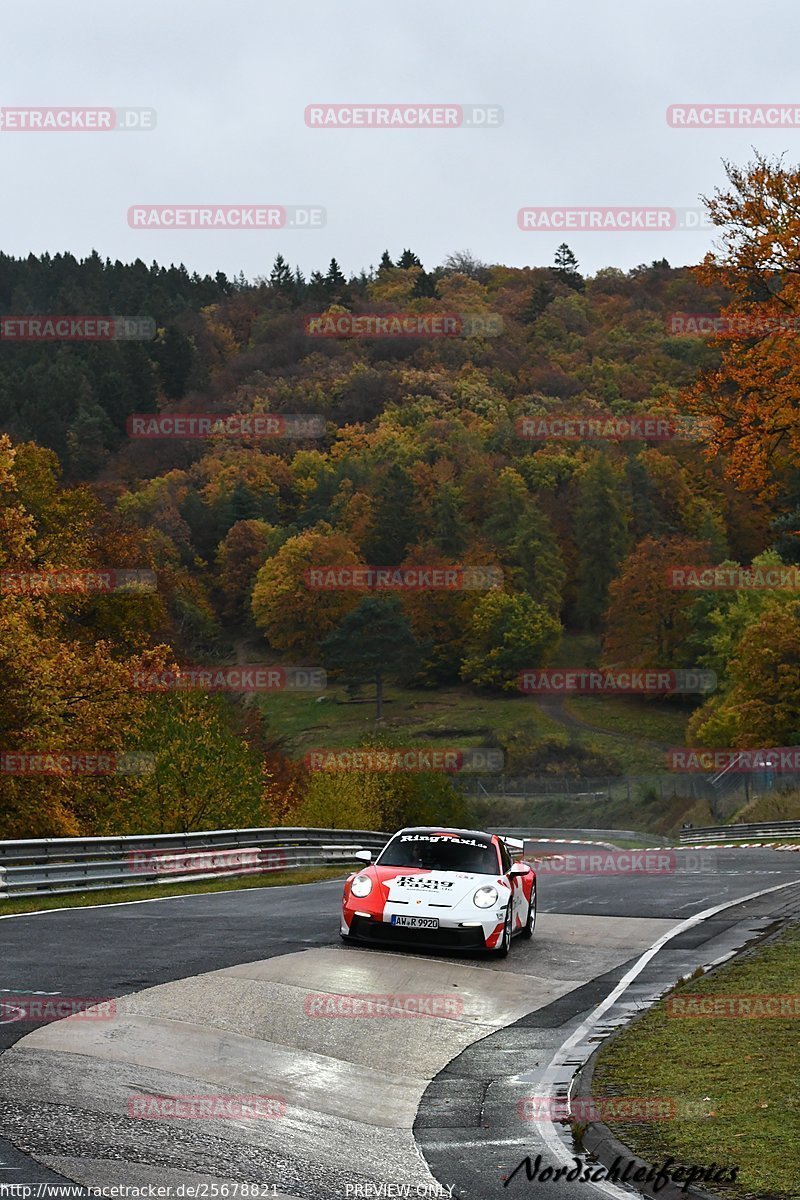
(479, 834)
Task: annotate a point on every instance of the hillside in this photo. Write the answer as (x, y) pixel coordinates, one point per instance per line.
(421, 458)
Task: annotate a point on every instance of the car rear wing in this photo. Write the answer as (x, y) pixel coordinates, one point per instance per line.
(515, 846)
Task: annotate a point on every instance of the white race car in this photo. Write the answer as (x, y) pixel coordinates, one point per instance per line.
(456, 889)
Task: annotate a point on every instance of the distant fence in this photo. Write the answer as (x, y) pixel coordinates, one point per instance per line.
(742, 833)
(55, 866)
(724, 792)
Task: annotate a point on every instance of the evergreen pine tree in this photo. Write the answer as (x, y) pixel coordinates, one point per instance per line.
(540, 296)
(535, 559)
(509, 504)
(450, 530)
(565, 268)
(600, 537)
(334, 279)
(394, 523)
(425, 287)
(281, 277)
(647, 517)
(317, 288)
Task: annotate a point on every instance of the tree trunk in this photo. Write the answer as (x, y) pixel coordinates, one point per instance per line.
(378, 697)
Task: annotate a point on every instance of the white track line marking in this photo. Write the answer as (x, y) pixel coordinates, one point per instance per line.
(276, 887)
(548, 1132)
(22, 992)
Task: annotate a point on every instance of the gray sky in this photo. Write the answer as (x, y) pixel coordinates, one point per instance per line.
(584, 88)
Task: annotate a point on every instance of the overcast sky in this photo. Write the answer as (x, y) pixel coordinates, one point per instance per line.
(584, 89)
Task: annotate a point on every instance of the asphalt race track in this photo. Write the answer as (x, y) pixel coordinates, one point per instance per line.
(215, 995)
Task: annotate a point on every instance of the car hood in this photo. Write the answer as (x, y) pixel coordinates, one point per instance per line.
(437, 887)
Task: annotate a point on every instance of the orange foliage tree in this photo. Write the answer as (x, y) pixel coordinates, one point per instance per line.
(293, 615)
(60, 692)
(749, 404)
(648, 622)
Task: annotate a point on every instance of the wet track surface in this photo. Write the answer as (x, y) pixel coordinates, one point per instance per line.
(351, 1087)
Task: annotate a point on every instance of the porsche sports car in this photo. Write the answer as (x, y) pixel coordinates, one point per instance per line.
(456, 889)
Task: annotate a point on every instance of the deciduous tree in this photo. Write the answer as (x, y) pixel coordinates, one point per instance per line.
(509, 633)
(749, 404)
(373, 643)
(294, 614)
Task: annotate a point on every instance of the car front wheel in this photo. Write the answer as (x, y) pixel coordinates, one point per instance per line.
(504, 945)
(530, 924)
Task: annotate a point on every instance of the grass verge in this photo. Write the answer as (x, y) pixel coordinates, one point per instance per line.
(633, 757)
(734, 1081)
(30, 904)
(774, 806)
(455, 716)
(654, 720)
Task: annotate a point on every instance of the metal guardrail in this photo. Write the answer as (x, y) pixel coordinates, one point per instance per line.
(569, 833)
(55, 866)
(741, 833)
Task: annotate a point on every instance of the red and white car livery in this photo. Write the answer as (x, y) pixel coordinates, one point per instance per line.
(449, 888)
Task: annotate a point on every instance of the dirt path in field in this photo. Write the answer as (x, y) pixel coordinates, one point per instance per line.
(555, 708)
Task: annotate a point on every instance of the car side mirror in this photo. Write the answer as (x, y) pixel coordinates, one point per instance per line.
(519, 868)
(364, 855)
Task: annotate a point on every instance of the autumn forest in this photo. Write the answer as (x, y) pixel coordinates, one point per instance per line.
(413, 453)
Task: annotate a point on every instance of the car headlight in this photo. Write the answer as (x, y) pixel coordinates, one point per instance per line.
(361, 886)
(485, 897)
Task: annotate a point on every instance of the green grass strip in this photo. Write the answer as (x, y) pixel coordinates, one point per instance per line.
(735, 1081)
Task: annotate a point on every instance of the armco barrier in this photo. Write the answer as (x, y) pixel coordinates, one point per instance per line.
(741, 833)
(568, 833)
(54, 866)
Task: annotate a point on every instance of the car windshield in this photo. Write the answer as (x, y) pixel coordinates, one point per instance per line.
(440, 852)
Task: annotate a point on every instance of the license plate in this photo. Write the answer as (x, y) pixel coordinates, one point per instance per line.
(416, 922)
